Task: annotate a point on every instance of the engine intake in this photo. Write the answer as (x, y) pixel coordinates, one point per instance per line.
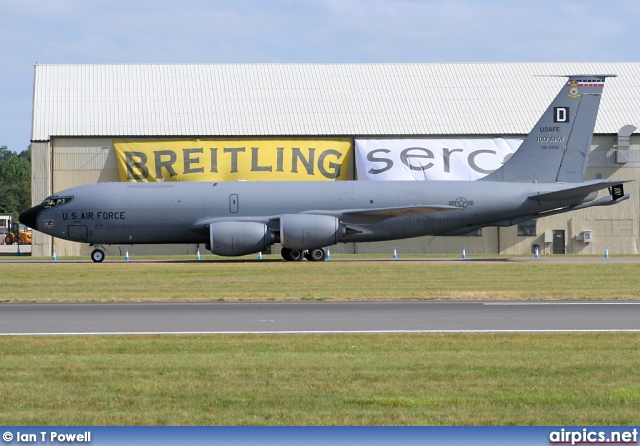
(309, 231)
(237, 238)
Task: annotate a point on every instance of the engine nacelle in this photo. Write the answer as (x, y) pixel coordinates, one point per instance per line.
(309, 231)
(237, 238)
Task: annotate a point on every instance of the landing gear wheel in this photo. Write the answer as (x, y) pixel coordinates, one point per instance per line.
(316, 255)
(97, 255)
(291, 255)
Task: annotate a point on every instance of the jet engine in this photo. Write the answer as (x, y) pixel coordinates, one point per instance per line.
(309, 231)
(237, 238)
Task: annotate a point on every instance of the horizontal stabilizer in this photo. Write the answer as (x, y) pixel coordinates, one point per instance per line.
(577, 191)
(604, 201)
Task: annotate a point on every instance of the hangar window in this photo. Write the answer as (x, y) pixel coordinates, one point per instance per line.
(527, 228)
(52, 202)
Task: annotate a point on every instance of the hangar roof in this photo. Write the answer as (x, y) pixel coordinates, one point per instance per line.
(315, 99)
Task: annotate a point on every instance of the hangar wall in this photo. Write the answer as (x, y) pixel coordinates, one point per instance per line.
(67, 162)
(40, 189)
(79, 110)
(63, 163)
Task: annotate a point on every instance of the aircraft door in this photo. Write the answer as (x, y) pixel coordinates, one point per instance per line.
(558, 241)
(233, 203)
(78, 232)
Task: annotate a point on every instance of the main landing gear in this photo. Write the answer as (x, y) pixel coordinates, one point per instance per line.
(296, 255)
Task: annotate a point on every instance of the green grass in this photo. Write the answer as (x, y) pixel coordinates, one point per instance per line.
(420, 379)
(275, 280)
(411, 379)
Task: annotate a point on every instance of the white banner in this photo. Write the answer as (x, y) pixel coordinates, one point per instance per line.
(431, 159)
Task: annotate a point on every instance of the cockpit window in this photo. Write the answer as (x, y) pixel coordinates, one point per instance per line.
(52, 202)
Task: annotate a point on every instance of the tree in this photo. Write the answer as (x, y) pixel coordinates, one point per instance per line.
(15, 181)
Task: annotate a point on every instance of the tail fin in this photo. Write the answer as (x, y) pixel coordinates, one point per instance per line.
(557, 149)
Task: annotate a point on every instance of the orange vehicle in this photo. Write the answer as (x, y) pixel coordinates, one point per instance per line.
(19, 233)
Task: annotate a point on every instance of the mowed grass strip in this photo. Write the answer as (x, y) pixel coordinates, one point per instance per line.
(273, 280)
(403, 379)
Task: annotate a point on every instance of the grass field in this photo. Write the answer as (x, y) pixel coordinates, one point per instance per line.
(459, 379)
(421, 379)
(276, 280)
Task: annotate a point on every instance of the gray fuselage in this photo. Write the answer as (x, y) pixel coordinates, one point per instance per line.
(133, 213)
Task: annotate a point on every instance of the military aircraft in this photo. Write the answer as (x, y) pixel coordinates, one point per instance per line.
(543, 177)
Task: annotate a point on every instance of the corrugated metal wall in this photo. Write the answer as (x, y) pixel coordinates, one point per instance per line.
(313, 99)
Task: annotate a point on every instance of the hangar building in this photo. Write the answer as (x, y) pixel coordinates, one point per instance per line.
(82, 114)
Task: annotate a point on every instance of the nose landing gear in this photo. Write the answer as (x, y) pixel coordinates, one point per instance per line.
(97, 255)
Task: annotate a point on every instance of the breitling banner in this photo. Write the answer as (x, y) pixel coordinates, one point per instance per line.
(431, 159)
(232, 160)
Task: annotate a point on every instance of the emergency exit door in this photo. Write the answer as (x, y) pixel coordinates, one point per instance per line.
(558, 241)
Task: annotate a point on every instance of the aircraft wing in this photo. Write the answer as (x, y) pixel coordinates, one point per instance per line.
(370, 215)
(356, 216)
(401, 211)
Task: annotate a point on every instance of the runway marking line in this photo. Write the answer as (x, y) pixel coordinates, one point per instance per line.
(114, 333)
(558, 303)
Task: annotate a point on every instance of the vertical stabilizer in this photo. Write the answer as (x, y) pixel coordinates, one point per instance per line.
(557, 149)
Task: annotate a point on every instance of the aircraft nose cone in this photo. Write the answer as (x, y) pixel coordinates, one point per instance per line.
(30, 217)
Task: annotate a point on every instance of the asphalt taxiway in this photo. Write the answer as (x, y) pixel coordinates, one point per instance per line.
(26, 259)
(318, 317)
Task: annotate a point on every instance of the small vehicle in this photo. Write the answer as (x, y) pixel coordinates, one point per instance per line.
(19, 234)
